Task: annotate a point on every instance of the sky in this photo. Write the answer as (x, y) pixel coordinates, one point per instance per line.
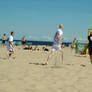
(39, 19)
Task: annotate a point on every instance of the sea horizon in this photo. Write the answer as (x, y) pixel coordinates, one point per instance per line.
(37, 42)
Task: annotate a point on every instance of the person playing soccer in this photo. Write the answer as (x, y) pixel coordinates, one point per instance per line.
(57, 42)
(10, 44)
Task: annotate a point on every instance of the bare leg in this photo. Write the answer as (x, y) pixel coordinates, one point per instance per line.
(62, 56)
(91, 59)
(10, 54)
(51, 54)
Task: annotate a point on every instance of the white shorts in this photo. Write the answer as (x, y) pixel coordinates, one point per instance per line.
(56, 47)
(10, 48)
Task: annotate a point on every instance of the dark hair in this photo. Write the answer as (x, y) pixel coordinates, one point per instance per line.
(4, 34)
(12, 33)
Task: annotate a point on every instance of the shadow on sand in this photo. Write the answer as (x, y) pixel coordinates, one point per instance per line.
(57, 66)
(37, 64)
(3, 58)
(80, 55)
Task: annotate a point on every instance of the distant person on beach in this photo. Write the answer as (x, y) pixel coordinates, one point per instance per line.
(28, 48)
(3, 39)
(36, 48)
(73, 43)
(24, 40)
(10, 44)
(57, 42)
(45, 48)
(90, 46)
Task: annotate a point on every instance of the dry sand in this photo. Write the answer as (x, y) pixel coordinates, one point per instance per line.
(26, 73)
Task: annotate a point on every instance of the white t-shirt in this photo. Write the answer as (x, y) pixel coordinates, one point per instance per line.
(60, 32)
(9, 46)
(91, 38)
(11, 38)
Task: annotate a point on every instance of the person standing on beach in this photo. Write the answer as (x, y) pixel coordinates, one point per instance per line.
(24, 40)
(90, 46)
(73, 43)
(10, 44)
(3, 39)
(57, 42)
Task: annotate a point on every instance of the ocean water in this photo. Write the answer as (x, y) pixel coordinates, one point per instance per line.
(50, 43)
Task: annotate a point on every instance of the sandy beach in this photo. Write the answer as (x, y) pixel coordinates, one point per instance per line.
(26, 73)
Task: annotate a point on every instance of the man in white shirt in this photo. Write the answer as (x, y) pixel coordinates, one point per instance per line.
(57, 42)
(10, 44)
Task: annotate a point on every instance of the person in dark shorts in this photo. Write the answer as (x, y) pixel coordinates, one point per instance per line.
(24, 41)
(3, 39)
(90, 46)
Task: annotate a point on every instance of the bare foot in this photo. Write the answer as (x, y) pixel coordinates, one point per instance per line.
(46, 63)
(9, 54)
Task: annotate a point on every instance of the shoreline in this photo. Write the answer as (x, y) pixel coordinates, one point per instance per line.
(29, 42)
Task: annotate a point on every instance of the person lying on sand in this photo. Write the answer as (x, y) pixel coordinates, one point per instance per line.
(45, 49)
(28, 48)
(57, 42)
(36, 48)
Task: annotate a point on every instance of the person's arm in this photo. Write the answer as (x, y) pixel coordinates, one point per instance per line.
(10, 42)
(25, 39)
(59, 37)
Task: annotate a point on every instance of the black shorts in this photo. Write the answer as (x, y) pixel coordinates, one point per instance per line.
(3, 41)
(90, 50)
(23, 43)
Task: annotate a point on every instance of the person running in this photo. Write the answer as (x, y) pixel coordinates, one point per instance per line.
(10, 44)
(90, 46)
(57, 42)
(3, 39)
(24, 41)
